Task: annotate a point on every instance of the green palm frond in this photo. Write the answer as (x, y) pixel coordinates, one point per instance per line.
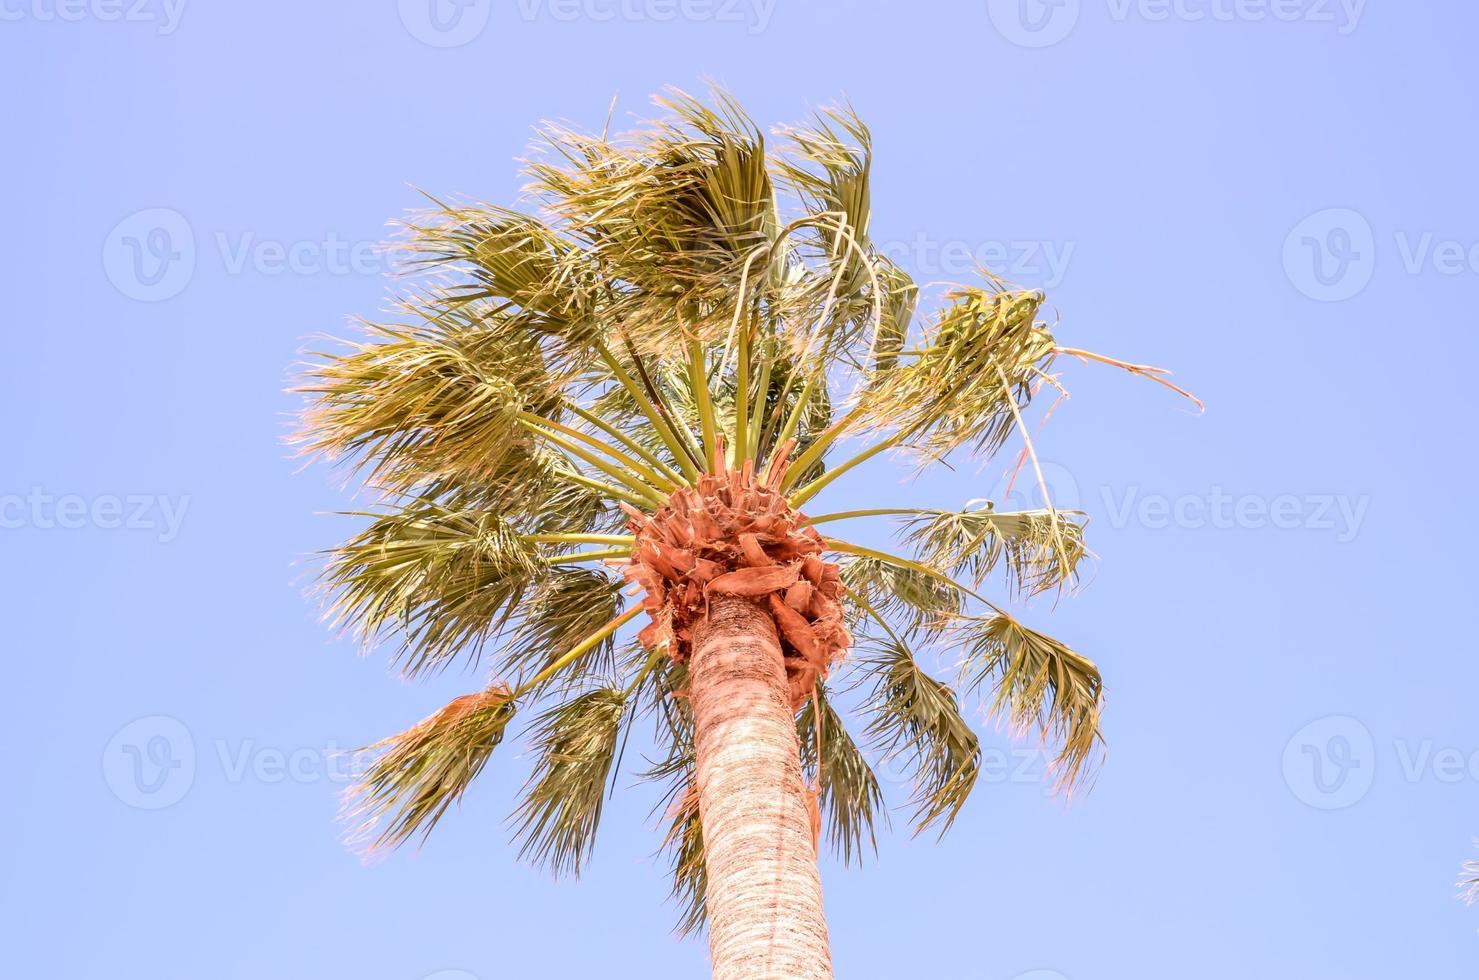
(570, 604)
(422, 403)
(577, 743)
(425, 769)
(828, 165)
(951, 394)
(925, 601)
(671, 214)
(851, 799)
(443, 580)
(735, 192)
(514, 257)
(562, 506)
(916, 717)
(1040, 549)
(899, 304)
(1039, 684)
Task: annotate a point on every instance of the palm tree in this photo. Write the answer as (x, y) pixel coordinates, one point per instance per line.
(643, 386)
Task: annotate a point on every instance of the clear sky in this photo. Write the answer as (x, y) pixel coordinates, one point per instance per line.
(1273, 197)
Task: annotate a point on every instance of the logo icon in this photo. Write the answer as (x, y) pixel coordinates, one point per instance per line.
(149, 764)
(1331, 255)
(1033, 23)
(445, 23)
(150, 255)
(1330, 763)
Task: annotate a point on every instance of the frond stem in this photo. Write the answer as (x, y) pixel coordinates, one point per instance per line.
(605, 489)
(814, 452)
(843, 515)
(659, 420)
(762, 391)
(816, 486)
(577, 651)
(1156, 374)
(847, 548)
(636, 447)
(625, 539)
(577, 557)
(646, 473)
(793, 420)
(699, 382)
(629, 480)
(742, 395)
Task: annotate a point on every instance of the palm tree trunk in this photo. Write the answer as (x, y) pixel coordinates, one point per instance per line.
(764, 894)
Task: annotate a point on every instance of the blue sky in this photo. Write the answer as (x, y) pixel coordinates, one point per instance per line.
(1273, 197)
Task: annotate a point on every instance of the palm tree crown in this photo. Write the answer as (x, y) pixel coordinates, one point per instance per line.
(643, 383)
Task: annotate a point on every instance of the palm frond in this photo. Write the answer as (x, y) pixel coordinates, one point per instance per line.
(925, 601)
(514, 259)
(561, 807)
(899, 304)
(951, 393)
(828, 164)
(671, 213)
(423, 403)
(570, 604)
(443, 580)
(735, 196)
(425, 769)
(1039, 684)
(850, 799)
(1039, 548)
(916, 717)
(562, 506)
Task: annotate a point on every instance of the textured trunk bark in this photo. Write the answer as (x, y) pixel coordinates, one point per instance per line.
(764, 894)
